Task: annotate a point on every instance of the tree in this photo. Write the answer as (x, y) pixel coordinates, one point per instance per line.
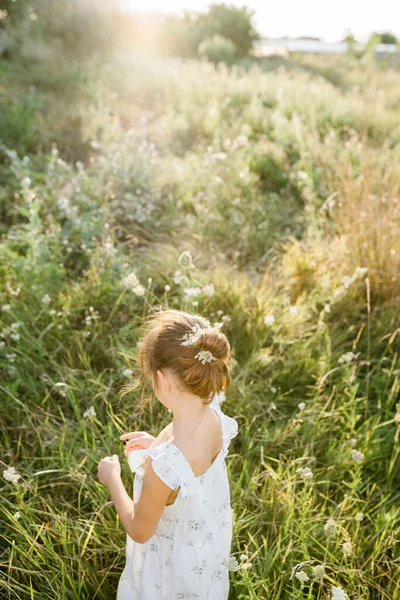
(387, 38)
(232, 23)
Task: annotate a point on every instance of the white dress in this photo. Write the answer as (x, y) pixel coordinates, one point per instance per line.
(187, 557)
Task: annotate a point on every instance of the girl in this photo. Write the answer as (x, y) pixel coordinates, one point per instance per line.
(179, 525)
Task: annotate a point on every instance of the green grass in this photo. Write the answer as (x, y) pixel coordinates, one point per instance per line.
(281, 182)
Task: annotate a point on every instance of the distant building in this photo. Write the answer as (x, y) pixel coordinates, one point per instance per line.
(282, 47)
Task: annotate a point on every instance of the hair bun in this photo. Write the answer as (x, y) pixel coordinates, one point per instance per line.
(216, 343)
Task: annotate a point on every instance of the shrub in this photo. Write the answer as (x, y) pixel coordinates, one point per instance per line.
(218, 49)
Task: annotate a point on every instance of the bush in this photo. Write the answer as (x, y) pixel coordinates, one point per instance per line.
(218, 49)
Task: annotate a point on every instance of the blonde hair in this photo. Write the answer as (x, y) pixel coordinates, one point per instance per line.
(161, 348)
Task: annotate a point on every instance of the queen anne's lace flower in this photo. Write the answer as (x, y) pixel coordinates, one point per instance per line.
(205, 356)
(330, 526)
(338, 593)
(357, 456)
(305, 473)
(191, 338)
(90, 412)
(302, 576)
(11, 474)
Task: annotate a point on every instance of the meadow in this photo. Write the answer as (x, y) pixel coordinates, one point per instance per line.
(279, 181)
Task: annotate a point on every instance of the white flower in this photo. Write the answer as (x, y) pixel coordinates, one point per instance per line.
(301, 405)
(360, 271)
(233, 564)
(357, 456)
(269, 319)
(195, 303)
(130, 281)
(273, 389)
(243, 557)
(327, 308)
(177, 277)
(272, 406)
(330, 526)
(205, 356)
(246, 565)
(293, 310)
(305, 473)
(226, 319)
(347, 357)
(185, 260)
(347, 548)
(302, 175)
(209, 290)
(302, 576)
(167, 288)
(127, 372)
(90, 412)
(17, 515)
(11, 474)
(347, 280)
(319, 572)
(139, 290)
(6, 307)
(26, 182)
(46, 299)
(338, 593)
(191, 291)
(359, 516)
(15, 336)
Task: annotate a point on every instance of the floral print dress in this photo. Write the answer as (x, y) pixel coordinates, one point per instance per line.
(187, 558)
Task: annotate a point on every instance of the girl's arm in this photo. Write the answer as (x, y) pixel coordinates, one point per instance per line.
(139, 521)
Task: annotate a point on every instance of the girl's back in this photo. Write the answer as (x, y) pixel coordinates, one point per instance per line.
(188, 555)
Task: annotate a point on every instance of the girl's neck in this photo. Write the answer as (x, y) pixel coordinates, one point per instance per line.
(187, 415)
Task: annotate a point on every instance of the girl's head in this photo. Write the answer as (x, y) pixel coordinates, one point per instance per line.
(172, 367)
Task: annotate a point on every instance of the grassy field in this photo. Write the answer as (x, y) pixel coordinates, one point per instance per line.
(282, 181)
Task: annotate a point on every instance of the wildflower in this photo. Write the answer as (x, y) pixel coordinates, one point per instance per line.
(177, 276)
(319, 572)
(209, 290)
(5, 307)
(15, 336)
(302, 175)
(338, 593)
(327, 308)
(26, 182)
(167, 288)
(243, 557)
(185, 260)
(301, 405)
(293, 310)
(90, 412)
(273, 389)
(302, 576)
(226, 319)
(195, 303)
(330, 527)
(232, 564)
(359, 516)
(360, 271)
(272, 406)
(269, 319)
(246, 565)
(305, 473)
(17, 515)
(11, 474)
(347, 357)
(191, 291)
(347, 548)
(139, 290)
(127, 372)
(130, 281)
(347, 280)
(11, 356)
(46, 299)
(357, 456)
(264, 356)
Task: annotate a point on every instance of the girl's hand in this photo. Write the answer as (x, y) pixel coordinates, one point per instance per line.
(109, 470)
(136, 440)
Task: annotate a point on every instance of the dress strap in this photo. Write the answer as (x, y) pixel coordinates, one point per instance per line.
(230, 426)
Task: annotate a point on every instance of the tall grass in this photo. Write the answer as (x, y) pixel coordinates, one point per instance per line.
(283, 187)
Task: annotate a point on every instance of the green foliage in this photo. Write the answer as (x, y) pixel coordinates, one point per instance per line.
(284, 192)
(217, 49)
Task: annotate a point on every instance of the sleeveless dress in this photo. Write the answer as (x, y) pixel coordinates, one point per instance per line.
(187, 558)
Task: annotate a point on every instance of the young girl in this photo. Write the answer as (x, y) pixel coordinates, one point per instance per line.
(179, 525)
